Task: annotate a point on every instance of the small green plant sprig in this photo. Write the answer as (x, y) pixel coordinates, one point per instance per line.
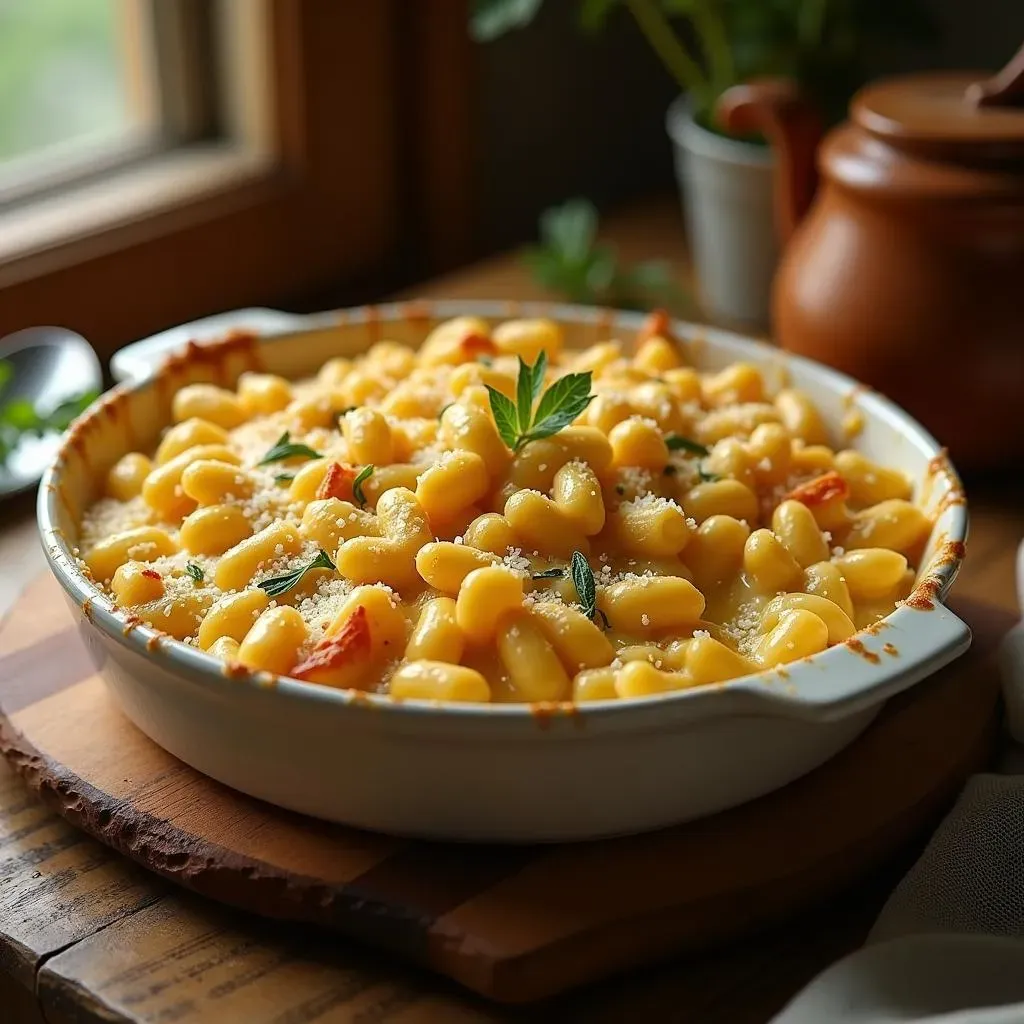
(518, 421)
(569, 260)
(19, 418)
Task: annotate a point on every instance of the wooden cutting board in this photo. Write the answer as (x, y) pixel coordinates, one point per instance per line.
(513, 923)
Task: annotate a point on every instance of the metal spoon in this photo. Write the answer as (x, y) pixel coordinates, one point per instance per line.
(51, 365)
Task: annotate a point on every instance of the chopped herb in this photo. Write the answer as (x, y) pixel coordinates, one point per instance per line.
(283, 478)
(284, 448)
(708, 478)
(278, 585)
(518, 422)
(676, 442)
(194, 571)
(357, 485)
(583, 581)
(549, 574)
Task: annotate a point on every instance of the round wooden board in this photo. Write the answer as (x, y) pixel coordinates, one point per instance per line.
(514, 924)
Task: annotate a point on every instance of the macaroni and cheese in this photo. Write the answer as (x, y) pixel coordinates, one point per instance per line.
(494, 517)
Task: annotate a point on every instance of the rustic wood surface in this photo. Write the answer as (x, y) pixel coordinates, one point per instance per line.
(86, 936)
(513, 923)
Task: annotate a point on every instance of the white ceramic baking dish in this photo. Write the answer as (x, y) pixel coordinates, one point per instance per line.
(504, 772)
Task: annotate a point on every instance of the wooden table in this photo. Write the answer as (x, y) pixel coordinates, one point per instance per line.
(86, 936)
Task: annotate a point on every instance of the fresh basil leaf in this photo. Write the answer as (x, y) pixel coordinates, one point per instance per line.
(195, 572)
(528, 387)
(278, 585)
(284, 448)
(549, 574)
(357, 485)
(560, 405)
(283, 478)
(506, 417)
(583, 581)
(676, 442)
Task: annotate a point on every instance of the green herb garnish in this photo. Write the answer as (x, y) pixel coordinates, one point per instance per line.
(19, 418)
(195, 572)
(283, 478)
(357, 485)
(285, 448)
(278, 585)
(707, 478)
(583, 581)
(549, 574)
(518, 422)
(676, 442)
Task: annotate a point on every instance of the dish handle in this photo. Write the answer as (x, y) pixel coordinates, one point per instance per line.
(871, 667)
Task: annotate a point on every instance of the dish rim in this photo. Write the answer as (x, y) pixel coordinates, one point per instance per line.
(198, 667)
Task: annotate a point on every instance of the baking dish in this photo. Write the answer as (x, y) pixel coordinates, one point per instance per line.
(516, 773)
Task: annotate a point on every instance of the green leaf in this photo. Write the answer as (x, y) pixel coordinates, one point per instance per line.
(549, 574)
(195, 572)
(21, 414)
(707, 478)
(560, 405)
(285, 449)
(357, 485)
(493, 18)
(505, 416)
(676, 442)
(283, 478)
(570, 229)
(528, 386)
(278, 585)
(583, 581)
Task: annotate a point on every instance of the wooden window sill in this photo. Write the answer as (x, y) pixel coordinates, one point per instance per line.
(127, 206)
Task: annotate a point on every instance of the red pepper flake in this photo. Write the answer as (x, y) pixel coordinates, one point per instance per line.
(151, 574)
(474, 345)
(337, 482)
(351, 643)
(820, 490)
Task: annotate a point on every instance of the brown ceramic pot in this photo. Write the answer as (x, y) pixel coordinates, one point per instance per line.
(905, 266)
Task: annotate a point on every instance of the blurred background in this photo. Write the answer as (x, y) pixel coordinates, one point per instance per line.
(162, 160)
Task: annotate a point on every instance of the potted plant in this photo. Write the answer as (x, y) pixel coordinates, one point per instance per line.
(727, 182)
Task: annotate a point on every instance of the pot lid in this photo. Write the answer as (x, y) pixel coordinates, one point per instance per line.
(952, 108)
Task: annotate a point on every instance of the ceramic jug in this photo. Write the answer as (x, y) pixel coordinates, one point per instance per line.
(904, 245)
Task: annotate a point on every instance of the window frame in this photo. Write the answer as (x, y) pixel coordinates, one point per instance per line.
(303, 192)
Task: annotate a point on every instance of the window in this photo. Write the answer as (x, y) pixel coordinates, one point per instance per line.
(75, 88)
(210, 154)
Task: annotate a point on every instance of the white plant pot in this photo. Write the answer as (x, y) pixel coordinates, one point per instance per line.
(727, 189)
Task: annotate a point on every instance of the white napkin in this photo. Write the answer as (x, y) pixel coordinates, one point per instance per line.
(948, 946)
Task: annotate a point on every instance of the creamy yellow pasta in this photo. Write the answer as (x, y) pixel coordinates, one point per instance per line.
(494, 518)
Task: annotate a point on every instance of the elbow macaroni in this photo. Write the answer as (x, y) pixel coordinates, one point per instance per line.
(723, 535)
